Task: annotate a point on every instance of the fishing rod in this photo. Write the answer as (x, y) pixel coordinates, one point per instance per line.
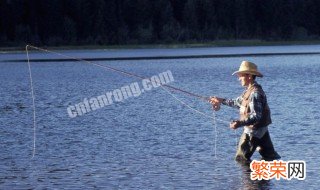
(215, 105)
(203, 98)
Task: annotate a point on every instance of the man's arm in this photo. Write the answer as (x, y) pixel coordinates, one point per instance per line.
(235, 103)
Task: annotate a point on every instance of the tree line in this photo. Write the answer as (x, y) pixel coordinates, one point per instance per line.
(117, 22)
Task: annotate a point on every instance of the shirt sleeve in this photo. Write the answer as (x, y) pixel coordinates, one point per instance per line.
(235, 103)
(256, 109)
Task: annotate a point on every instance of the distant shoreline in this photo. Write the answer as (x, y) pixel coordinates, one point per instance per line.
(164, 57)
(220, 43)
(154, 52)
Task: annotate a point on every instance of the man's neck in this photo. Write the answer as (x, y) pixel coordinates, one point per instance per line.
(250, 85)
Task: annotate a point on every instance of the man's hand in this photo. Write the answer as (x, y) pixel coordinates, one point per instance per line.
(216, 102)
(235, 124)
(215, 99)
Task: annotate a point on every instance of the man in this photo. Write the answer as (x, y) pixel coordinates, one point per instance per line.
(254, 115)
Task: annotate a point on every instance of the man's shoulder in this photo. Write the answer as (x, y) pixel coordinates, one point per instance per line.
(257, 88)
(258, 92)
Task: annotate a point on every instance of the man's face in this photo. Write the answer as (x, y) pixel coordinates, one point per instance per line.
(244, 79)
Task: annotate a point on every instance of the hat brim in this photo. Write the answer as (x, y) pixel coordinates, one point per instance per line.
(256, 73)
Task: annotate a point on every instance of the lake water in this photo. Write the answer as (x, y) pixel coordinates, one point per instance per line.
(151, 141)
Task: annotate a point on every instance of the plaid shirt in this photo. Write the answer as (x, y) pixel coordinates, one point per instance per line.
(257, 101)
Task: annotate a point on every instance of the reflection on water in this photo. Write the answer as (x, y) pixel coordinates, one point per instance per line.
(150, 141)
(247, 183)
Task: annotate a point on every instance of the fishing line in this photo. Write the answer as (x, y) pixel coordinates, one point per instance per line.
(193, 109)
(33, 105)
(203, 98)
(215, 134)
(213, 117)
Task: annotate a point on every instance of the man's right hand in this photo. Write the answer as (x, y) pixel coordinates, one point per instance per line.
(216, 102)
(214, 99)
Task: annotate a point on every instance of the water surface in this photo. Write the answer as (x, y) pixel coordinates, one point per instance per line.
(151, 141)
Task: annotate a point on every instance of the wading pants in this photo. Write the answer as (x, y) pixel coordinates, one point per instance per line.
(248, 144)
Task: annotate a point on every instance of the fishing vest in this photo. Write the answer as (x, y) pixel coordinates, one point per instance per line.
(245, 108)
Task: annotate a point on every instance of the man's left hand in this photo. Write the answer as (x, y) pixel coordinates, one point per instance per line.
(235, 124)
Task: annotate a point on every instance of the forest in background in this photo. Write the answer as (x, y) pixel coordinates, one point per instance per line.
(123, 22)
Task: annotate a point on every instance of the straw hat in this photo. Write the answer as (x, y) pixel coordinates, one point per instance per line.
(247, 67)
